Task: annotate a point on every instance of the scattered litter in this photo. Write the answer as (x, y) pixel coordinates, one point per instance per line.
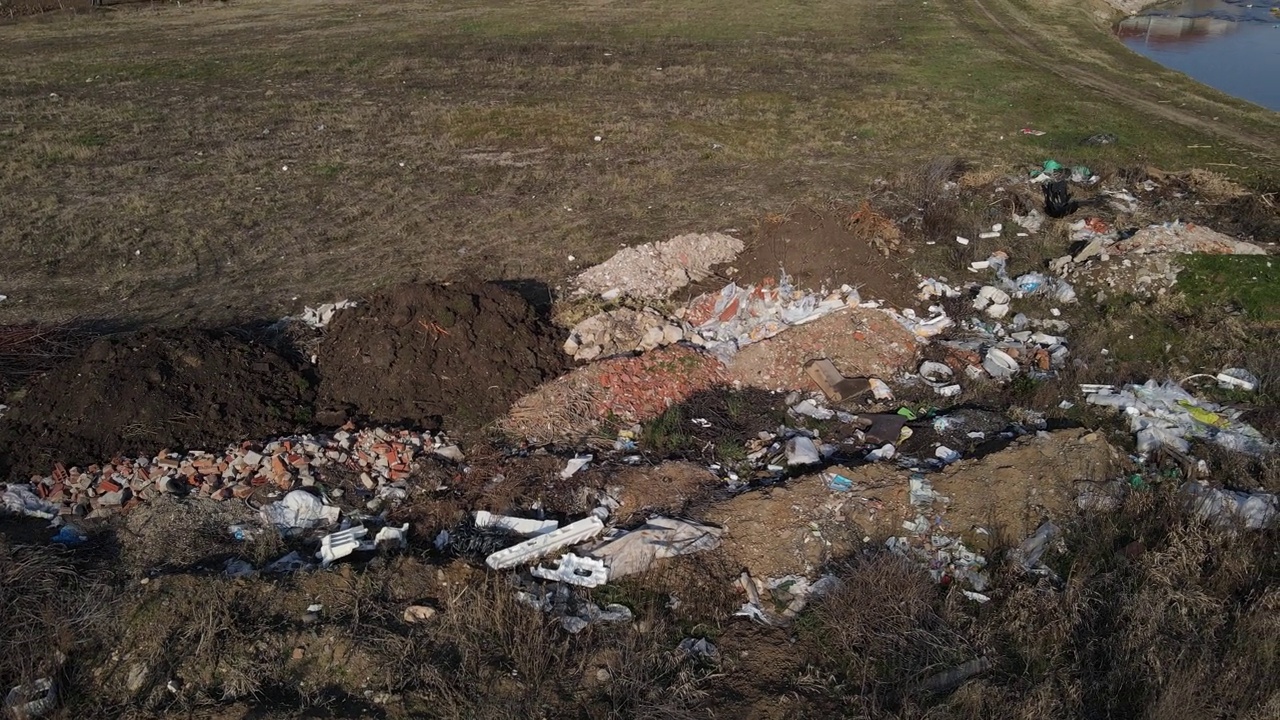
(809, 408)
(948, 679)
(699, 648)
(574, 465)
(237, 568)
(396, 536)
(338, 545)
(537, 547)
(655, 270)
(33, 699)
(575, 570)
(836, 481)
(297, 511)
(290, 563)
(320, 317)
(69, 535)
(884, 452)
(1166, 415)
(999, 364)
(658, 538)
(946, 454)
(801, 450)
(976, 597)
(1229, 508)
(1031, 550)
(23, 500)
(517, 526)
(832, 383)
(735, 317)
(1237, 379)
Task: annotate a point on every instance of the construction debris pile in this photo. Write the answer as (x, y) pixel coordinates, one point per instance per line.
(656, 270)
(381, 459)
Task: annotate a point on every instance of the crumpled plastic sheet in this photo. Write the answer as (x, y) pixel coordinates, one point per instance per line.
(658, 538)
(745, 315)
(23, 500)
(1166, 415)
(1230, 508)
(297, 511)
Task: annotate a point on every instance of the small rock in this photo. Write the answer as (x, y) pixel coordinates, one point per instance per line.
(418, 613)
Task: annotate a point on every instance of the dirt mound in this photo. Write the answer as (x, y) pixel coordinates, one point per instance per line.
(860, 342)
(134, 394)
(828, 249)
(429, 354)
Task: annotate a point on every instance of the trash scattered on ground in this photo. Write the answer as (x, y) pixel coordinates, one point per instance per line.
(834, 385)
(575, 614)
(541, 545)
(32, 700)
(572, 467)
(384, 459)
(1166, 415)
(320, 317)
(575, 570)
(1233, 509)
(1031, 550)
(655, 270)
(338, 545)
(739, 316)
(299, 511)
(659, 538)
(790, 592)
(699, 649)
(802, 451)
(24, 500)
(1237, 379)
(514, 525)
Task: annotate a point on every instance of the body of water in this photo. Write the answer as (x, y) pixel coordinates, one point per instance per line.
(1232, 46)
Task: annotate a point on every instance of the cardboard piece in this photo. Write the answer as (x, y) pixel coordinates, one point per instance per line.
(835, 386)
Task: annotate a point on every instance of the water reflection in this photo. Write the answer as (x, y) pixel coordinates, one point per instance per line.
(1234, 47)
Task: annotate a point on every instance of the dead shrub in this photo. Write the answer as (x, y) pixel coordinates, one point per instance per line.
(880, 634)
(52, 612)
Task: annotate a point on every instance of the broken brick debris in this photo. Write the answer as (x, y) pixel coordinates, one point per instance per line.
(382, 457)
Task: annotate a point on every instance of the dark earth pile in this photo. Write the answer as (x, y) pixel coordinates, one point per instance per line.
(428, 355)
(135, 394)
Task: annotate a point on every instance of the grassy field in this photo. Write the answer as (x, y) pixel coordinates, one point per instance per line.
(218, 161)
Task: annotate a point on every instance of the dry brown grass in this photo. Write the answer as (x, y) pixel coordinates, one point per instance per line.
(153, 185)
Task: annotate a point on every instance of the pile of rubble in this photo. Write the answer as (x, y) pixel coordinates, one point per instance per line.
(1141, 261)
(382, 459)
(656, 270)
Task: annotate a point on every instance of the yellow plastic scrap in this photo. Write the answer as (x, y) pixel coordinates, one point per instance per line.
(1204, 416)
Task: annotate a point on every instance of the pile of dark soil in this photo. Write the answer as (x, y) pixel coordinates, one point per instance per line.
(136, 394)
(430, 354)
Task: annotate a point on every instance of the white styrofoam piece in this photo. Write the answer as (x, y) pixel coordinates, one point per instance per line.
(340, 544)
(575, 570)
(535, 548)
(519, 526)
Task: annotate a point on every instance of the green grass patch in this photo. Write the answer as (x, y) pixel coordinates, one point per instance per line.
(1247, 283)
